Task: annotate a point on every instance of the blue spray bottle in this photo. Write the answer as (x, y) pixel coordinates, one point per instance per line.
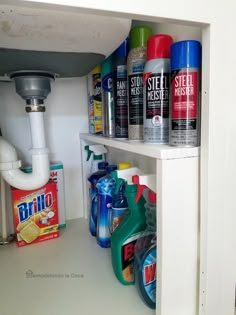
(105, 187)
(93, 195)
(145, 248)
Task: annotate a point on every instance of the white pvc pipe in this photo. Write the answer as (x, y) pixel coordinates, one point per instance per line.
(37, 130)
(3, 210)
(28, 181)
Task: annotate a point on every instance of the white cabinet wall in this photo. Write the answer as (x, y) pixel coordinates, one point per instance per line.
(214, 23)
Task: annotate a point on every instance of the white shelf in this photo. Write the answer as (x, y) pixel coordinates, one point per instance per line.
(161, 152)
(74, 253)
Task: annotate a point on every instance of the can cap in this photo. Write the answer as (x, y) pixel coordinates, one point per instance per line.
(185, 54)
(158, 46)
(123, 49)
(107, 66)
(124, 165)
(139, 36)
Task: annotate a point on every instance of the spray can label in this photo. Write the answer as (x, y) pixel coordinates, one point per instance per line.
(135, 87)
(121, 101)
(97, 103)
(156, 100)
(184, 107)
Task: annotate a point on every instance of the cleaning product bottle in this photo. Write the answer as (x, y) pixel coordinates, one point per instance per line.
(135, 66)
(145, 247)
(97, 151)
(119, 79)
(156, 82)
(105, 187)
(93, 179)
(125, 236)
(119, 201)
(107, 99)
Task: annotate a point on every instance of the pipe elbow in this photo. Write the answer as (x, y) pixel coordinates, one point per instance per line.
(11, 173)
(29, 181)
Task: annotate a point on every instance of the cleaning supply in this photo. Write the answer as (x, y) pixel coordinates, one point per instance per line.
(95, 101)
(93, 179)
(119, 201)
(156, 81)
(35, 214)
(135, 66)
(97, 151)
(145, 247)
(105, 187)
(125, 236)
(107, 99)
(120, 89)
(185, 93)
(57, 176)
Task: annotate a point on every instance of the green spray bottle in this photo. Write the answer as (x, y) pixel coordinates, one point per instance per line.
(126, 234)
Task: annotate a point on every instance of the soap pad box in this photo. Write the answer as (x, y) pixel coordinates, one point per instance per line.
(35, 214)
(56, 175)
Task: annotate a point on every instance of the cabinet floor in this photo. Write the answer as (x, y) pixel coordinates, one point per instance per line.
(69, 275)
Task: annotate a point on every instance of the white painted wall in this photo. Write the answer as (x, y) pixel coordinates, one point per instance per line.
(65, 117)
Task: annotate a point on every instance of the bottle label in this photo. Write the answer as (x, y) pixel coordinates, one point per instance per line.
(127, 257)
(121, 101)
(93, 208)
(156, 98)
(149, 274)
(184, 111)
(97, 103)
(117, 216)
(135, 87)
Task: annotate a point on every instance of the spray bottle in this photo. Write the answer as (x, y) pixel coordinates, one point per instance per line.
(97, 151)
(127, 233)
(93, 201)
(105, 187)
(119, 201)
(145, 247)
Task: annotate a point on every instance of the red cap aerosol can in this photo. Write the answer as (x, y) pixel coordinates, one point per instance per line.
(185, 93)
(156, 82)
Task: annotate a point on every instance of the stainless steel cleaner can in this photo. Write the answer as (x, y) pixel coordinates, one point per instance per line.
(185, 93)
(135, 66)
(107, 99)
(156, 81)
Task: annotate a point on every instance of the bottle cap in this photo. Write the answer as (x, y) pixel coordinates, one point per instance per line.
(124, 165)
(152, 197)
(97, 69)
(102, 165)
(158, 46)
(139, 36)
(111, 168)
(123, 49)
(185, 54)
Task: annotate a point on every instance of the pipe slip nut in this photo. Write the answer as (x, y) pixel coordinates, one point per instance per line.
(35, 108)
(6, 166)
